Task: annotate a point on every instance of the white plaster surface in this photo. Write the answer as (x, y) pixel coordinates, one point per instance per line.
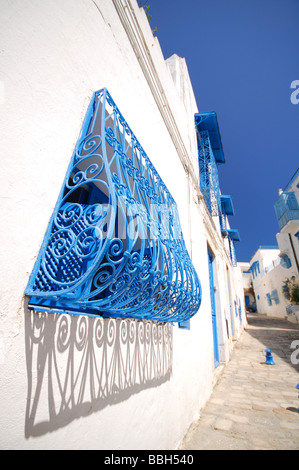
(78, 383)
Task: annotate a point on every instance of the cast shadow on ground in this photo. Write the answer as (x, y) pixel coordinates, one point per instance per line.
(77, 365)
(279, 335)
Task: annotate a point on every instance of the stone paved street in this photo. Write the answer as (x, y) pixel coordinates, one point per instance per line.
(253, 405)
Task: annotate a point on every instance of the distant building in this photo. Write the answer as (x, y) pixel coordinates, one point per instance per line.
(275, 270)
(267, 277)
(287, 213)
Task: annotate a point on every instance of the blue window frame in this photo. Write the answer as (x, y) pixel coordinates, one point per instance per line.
(274, 296)
(269, 300)
(114, 245)
(208, 173)
(226, 209)
(233, 237)
(255, 269)
(285, 261)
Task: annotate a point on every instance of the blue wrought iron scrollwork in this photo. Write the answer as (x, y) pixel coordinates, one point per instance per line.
(210, 155)
(114, 245)
(208, 174)
(233, 237)
(232, 252)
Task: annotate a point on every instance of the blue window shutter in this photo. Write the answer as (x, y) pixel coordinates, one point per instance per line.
(285, 261)
(114, 245)
(269, 299)
(274, 296)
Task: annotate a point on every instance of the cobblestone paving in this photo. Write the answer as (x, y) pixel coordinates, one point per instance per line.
(253, 405)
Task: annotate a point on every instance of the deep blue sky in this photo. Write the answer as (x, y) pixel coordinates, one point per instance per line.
(242, 56)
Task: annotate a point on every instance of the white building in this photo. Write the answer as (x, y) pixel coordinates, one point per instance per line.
(271, 267)
(267, 273)
(287, 212)
(84, 362)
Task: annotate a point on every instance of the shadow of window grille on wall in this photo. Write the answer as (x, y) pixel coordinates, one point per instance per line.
(114, 245)
(78, 365)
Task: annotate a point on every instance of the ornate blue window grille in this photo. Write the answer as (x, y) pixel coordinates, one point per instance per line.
(210, 154)
(233, 236)
(208, 173)
(114, 245)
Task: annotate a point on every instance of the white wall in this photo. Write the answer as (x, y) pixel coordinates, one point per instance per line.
(77, 382)
(273, 273)
(287, 241)
(246, 276)
(270, 278)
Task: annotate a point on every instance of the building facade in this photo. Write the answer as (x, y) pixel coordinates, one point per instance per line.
(121, 297)
(275, 270)
(287, 213)
(249, 296)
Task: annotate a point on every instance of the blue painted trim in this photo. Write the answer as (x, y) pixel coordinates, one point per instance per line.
(227, 205)
(234, 235)
(285, 262)
(208, 121)
(255, 268)
(208, 174)
(286, 208)
(185, 325)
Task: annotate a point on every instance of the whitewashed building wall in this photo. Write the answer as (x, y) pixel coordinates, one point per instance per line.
(277, 265)
(268, 279)
(77, 382)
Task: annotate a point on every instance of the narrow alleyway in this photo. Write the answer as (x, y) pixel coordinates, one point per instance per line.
(254, 405)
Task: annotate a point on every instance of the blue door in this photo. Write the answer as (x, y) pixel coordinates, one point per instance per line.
(213, 307)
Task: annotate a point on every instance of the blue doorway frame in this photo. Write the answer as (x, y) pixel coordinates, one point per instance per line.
(213, 308)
